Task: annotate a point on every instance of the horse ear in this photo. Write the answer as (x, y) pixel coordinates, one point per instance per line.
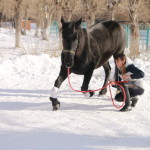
(78, 23)
(62, 20)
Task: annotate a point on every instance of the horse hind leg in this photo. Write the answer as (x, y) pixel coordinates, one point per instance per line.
(119, 51)
(107, 70)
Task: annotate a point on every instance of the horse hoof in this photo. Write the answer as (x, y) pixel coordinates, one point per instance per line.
(55, 103)
(89, 94)
(92, 93)
(56, 107)
(102, 92)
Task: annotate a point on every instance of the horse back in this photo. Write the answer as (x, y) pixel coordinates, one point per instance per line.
(107, 39)
(105, 30)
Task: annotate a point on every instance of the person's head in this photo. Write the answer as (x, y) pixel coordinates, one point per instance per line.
(120, 61)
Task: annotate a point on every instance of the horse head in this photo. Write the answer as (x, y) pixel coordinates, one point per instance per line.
(70, 37)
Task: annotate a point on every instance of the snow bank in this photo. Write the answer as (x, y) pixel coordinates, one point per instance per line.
(27, 121)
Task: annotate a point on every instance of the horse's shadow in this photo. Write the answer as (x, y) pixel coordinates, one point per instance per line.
(24, 92)
(45, 105)
(30, 106)
(85, 107)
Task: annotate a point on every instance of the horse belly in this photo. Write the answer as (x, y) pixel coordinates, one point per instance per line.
(80, 70)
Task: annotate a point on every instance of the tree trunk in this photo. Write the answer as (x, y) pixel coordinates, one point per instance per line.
(59, 13)
(90, 20)
(18, 30)
(112, 6)
(59, 18)
(46, 27)
(111, 14)
(134, 40)
(38, 22)
(1, 14)
(69, 16)
(134, 30)
(18, 19)
(25, 22)
(38, 28)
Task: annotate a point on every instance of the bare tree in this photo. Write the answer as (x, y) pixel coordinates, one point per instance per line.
(111, 6)
(92, 9)
(49, 8)
(18, 19)
(136, 10)
(144, 11)
(133, 7)
(43, 11)
(58, 12)
(70, 8)
(25, 19)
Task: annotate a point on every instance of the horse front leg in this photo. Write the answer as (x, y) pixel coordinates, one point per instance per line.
(53, 98)
(107, 70)
(85, 84)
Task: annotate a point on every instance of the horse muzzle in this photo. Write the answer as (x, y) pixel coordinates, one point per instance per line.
(69, 58)
(69, 62)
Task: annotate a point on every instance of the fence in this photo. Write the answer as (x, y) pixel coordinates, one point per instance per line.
(144, 34)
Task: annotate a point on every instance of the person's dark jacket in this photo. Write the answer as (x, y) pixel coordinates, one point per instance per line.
(135, 74)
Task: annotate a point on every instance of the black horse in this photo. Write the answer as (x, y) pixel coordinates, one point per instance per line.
(85, 50)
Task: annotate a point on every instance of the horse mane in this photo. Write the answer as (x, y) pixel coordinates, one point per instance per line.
(84, 48)
(82, 42)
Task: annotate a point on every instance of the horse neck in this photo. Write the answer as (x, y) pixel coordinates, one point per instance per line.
(83, 42)
(84, 50)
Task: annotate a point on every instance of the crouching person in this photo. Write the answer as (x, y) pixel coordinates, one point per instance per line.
(133, 88)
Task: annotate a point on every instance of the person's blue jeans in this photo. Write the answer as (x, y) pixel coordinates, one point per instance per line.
(135, 91)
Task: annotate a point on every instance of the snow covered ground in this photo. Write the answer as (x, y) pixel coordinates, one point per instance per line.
(27, 121)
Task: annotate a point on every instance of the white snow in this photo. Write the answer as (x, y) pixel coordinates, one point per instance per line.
(27, 121)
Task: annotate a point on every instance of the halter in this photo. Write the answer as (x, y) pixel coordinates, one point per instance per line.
(72, 51)
(69, 51)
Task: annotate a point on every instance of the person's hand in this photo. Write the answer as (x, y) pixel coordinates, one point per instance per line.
(125, 77)
(112, 82)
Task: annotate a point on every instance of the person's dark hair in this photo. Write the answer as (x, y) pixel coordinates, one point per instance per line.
(122, 57)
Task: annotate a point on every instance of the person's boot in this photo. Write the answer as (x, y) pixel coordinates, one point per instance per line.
(127, 106)
(119, 97)
(134, 101)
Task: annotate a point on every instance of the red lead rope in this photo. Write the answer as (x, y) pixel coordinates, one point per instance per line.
(109, 84)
